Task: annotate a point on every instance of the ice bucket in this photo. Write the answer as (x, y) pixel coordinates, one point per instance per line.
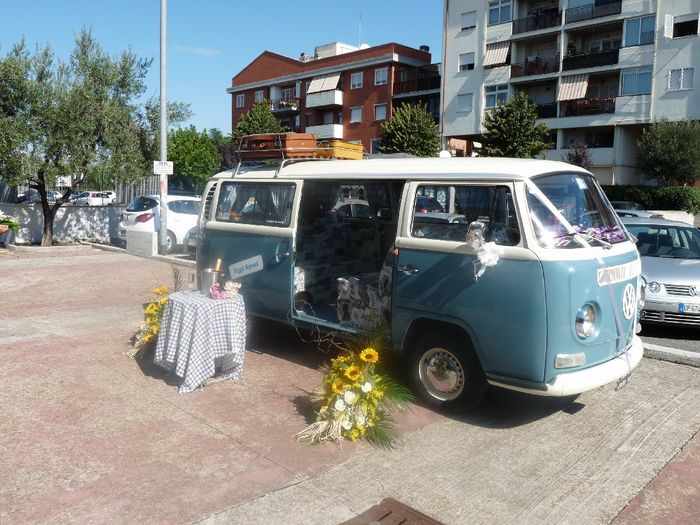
(207, 277)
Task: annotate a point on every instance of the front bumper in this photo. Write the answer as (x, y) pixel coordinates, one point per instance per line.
(572, 383)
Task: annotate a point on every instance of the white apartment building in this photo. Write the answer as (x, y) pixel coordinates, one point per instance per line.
(599, 70)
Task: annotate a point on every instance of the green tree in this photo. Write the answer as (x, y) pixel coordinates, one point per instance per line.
(670, 152)
(194, 154)
(149, 122)
(512, 130)
(58, 119)
(259, 119)
(411, 129)
(226, 148)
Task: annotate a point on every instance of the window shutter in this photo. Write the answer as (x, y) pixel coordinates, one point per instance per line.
(668, 26)
(688, 81)
(674, 79)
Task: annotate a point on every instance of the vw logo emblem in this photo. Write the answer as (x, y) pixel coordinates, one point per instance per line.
(694, 290)
(629, 301)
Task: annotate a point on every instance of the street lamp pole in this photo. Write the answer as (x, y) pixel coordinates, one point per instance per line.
(163, 231)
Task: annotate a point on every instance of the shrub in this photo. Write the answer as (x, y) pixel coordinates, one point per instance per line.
(658, 198)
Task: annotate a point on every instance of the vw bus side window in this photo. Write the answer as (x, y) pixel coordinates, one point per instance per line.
(445, 212)
(578, 200)
(255, 203)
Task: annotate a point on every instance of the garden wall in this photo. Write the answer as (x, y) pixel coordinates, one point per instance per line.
(72, 223)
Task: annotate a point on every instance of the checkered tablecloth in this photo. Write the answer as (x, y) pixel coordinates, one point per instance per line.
(195, 332)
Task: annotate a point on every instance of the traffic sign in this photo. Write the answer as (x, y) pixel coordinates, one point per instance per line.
(162, 167)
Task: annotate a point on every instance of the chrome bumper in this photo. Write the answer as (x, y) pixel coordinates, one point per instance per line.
(572, 383)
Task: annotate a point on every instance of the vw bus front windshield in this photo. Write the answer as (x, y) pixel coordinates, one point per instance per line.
(569, 210)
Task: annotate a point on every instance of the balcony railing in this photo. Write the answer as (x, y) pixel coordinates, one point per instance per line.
(595, 10)
(542, 20)
(591, 60)
(418, 84)
(587, 106)
(282, 105)
(323, 99)
(327, 131)
(546, 110)
(535, 66)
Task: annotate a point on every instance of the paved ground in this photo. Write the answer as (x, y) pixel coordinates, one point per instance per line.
(88, 435)
(686, 338)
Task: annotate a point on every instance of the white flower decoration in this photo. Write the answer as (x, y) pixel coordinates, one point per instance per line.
(367, 387)
(360, 419)
(350, 397)
(339, 405)
(346, 423)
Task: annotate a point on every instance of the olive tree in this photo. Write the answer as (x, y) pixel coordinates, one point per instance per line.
(61, 118)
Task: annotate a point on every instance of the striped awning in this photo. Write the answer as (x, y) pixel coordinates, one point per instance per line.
(325, 83)
(496, 53)
(573, 87)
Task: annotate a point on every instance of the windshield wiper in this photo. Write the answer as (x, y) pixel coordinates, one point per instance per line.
(578, 236)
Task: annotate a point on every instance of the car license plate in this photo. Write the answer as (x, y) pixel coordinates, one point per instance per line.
(623, 381)
(689, 308)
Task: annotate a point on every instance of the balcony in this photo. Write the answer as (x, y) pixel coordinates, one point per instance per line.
(542, 20)
(535, 66)
(587, 106)
(326, 131)
(596, 10)
(418, 84)
(546, 110)
(323, 99)
(280, 106)
(605, 58)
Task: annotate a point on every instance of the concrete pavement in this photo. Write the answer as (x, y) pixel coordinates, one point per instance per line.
(88, 435)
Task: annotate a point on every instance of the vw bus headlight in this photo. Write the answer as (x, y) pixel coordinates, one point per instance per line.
(654, 287)
(585, 321)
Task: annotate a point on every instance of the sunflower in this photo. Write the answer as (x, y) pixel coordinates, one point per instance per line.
(160, 290)
(369, 355)
(337, 386)
(353, 372)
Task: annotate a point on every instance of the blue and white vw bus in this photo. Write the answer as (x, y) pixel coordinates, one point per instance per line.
(509, 272)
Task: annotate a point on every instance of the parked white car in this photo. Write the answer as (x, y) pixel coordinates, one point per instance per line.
(143, 214)
(96, 198)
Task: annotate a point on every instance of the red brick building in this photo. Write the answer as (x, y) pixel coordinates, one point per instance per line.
(342, 92)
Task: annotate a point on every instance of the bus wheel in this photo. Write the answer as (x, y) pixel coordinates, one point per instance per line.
(446, 372)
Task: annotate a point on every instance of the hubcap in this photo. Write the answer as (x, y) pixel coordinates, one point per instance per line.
(442, 374)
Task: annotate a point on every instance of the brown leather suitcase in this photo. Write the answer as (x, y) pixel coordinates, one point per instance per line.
(277, 146)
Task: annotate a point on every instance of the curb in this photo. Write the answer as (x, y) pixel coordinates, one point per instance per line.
(70, 248)
(663, 353)
(163, 258)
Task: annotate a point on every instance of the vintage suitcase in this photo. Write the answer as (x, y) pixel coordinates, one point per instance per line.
(339, 149)
(277, 146)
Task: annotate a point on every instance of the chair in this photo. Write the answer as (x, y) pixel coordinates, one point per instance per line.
(665, 245)
(645, 242)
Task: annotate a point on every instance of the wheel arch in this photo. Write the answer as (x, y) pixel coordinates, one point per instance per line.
(420, 324)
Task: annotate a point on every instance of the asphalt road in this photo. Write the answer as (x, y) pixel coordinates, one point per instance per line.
(672, 336)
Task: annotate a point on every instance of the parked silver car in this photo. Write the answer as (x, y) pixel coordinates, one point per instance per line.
(633, 209)
(670, 253)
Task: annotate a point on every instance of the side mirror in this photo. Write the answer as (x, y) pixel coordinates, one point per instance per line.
(475, 232)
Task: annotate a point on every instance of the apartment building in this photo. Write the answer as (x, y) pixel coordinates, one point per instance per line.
(600, 71)
(339, 92)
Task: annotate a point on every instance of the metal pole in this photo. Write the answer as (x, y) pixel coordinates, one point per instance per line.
(163, 231)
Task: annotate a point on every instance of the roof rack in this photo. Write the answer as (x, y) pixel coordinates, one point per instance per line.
(287, 148)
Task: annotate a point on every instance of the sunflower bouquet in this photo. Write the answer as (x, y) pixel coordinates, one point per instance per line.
(152, 317)
(356, 402)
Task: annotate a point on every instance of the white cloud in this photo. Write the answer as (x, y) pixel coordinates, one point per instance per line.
(191, 50)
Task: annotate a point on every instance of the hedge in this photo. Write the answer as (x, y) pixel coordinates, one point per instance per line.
(658, 198)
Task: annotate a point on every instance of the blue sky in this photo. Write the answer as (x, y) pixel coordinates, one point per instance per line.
(209, 41)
